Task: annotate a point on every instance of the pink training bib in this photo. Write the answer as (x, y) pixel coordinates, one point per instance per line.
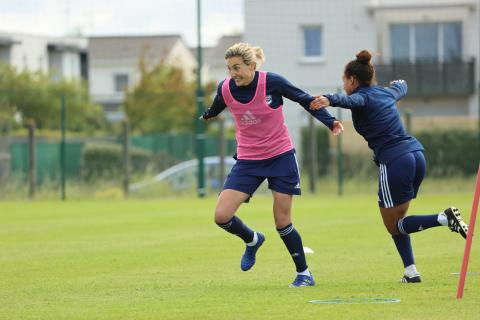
(261, 131)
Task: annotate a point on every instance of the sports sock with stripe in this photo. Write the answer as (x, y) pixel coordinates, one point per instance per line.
(293, 242)
(238, 228)
(413, 224)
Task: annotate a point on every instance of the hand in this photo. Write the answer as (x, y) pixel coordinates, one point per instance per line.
(397, 81)
(319, 102)
(202, 118)
(337, 128)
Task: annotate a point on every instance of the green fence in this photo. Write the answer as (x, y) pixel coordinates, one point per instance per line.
(47, 160)
(178, 146)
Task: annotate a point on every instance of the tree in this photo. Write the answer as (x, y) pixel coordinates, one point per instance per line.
(162, 101)
(34, 95)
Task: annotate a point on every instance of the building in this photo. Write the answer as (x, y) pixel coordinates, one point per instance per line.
(433, 44)
(114, 61)
(215, 64)
(63, 57)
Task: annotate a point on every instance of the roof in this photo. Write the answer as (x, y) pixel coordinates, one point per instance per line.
(7, 42)
(205, 53)
(125, 47)
(62, 46)
(216, 55)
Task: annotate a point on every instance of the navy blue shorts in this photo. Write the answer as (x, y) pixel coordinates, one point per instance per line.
(400, 179)
(281, 172)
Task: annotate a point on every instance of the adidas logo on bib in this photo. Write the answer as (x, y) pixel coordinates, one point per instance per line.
(249, 119)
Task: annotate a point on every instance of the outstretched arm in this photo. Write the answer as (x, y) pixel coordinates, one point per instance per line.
(353, 101)
(289, 91)
(323, 116)
(398, 88)
(217, 106)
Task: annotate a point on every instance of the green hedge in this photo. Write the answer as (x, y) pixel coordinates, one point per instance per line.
(450, 152)
(453, 152)
(105, 161)
(359, 165)
(162, 161)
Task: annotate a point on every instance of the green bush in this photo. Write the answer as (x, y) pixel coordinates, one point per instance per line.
(450, 152)
(453, 152)
(323, 149)
(359, 165)
(162, 161)
(105, 161)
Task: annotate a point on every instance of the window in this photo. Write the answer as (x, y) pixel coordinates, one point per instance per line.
(121, 82)
(452, 41)
(438, 42)
(5, 54)
(312, 39)
(400, 39)
(426, 41)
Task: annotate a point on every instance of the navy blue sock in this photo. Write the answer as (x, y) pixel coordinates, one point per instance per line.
(404, 248)
(238, 228)
(293, 242)
(413, 224)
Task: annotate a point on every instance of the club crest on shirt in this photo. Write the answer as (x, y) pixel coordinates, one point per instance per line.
(268, 99)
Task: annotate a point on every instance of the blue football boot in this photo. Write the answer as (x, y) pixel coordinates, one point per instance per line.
(248, 258)
(303, 281)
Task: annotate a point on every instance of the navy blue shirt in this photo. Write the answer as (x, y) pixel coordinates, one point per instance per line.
(277, 87)
(376, 118)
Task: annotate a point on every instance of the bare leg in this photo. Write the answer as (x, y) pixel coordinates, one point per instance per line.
(228, 203)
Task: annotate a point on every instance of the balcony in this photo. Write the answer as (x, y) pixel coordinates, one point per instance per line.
(431, 79)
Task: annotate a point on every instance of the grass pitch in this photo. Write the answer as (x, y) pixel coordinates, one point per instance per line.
(166, 259)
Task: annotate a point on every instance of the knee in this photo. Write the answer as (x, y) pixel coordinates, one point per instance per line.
(281, 221)
(392, 228)
(221, 217)
(279, 224)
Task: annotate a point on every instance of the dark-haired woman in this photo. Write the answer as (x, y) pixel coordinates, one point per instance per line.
(398, 155)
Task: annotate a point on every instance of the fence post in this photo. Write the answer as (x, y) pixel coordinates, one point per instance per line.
(63, 149)
(200, 126)
(312, 168)
(126, 157)
(223, 151)
(339, 154)
(31, 158)
(408, 120)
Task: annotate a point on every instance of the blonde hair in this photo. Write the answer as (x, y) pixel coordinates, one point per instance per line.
(248, 53)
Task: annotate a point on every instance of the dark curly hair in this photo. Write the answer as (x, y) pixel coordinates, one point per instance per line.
(361, 68)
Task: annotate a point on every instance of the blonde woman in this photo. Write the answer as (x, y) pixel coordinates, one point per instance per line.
(264, 151)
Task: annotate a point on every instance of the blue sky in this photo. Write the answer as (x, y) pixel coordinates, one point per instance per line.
(104, 17)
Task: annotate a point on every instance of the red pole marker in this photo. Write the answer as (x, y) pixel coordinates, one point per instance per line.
(468, 244)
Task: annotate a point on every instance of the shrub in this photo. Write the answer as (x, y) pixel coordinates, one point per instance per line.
(451, 152)
(105, 161)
